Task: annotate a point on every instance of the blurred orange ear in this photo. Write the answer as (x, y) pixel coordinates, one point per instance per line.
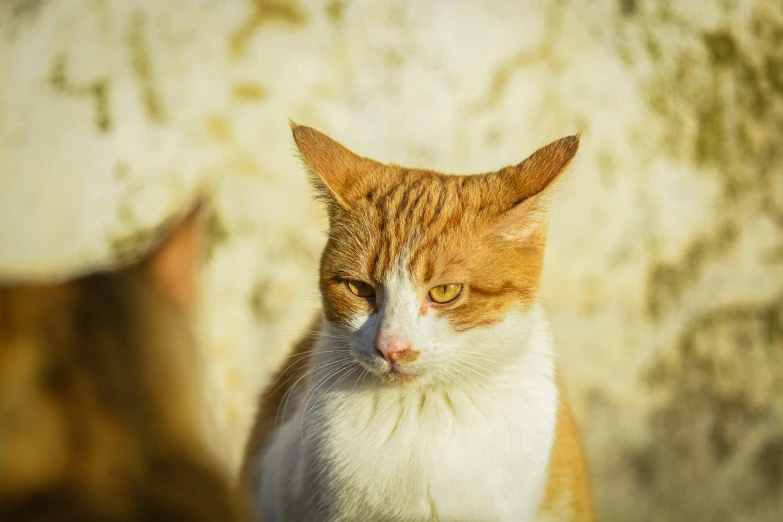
(173, 265)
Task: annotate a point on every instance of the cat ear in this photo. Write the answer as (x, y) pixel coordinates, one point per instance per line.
(522, 189)
(337, 174)
(173, 265)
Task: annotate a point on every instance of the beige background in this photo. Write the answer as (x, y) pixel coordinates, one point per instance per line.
(664, 278)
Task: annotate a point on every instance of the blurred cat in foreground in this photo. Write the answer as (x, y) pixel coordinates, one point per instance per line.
(97, 413)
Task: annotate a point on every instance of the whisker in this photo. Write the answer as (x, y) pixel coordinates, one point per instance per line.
(487, 355)
(319, 334)
(314, 390)
(298, 358)
(472, 363)
(308, 373)
(360, 376)
(349, 367)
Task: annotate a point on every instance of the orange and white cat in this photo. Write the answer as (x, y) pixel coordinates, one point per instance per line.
(427, 390)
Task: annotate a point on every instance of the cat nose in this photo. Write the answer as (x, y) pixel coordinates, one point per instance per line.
(396, 349)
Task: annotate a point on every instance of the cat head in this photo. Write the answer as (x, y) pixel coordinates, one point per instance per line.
(424, 275)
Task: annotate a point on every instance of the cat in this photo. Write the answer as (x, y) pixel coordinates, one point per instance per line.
(97, 413)
(427, 388)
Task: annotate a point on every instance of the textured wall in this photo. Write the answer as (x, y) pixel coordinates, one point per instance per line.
(664, 278)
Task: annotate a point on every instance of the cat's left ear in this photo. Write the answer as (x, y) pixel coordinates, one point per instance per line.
(173, 264)
(523, 190)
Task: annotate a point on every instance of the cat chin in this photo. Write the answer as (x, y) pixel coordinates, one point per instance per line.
(391, 374)
(399, 378)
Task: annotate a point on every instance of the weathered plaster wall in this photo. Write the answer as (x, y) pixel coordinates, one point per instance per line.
(664, 279)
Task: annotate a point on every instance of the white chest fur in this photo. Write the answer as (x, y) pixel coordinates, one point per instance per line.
(466, 451)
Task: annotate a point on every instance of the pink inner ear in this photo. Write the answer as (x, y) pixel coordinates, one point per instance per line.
(535, 174)
(523, 221)
(529, 182)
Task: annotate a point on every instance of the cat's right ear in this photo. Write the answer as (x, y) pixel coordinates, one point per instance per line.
(337, 174)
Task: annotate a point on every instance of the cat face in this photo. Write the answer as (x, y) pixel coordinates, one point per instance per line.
(427, 276)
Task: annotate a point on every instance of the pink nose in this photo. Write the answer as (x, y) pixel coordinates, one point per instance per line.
(392, 349)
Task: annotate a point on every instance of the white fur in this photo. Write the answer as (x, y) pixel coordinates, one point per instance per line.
(468, 440)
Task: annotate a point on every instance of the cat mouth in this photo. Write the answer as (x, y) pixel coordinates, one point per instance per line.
(392, 373)
(397, 375)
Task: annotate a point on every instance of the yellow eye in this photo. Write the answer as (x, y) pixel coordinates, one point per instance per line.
(443, 294)
(360, 289)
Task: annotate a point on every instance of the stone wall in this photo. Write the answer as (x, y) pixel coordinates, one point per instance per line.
(664, 277)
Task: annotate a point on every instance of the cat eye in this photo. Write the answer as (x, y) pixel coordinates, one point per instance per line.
(443, 294)
(360, 288)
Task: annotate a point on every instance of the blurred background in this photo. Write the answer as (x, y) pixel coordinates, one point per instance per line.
(664, 275)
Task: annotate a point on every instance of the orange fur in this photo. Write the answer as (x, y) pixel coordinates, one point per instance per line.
(567, 495)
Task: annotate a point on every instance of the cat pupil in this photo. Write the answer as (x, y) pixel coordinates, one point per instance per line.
(360, 288)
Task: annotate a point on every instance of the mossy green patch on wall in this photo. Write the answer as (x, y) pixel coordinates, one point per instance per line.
(724, 85)
(335, 10)
(215, 234)
(143, 69)
(716, 422)
(667, 281)
(288, 12)
(721, 112)
(97, 90)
